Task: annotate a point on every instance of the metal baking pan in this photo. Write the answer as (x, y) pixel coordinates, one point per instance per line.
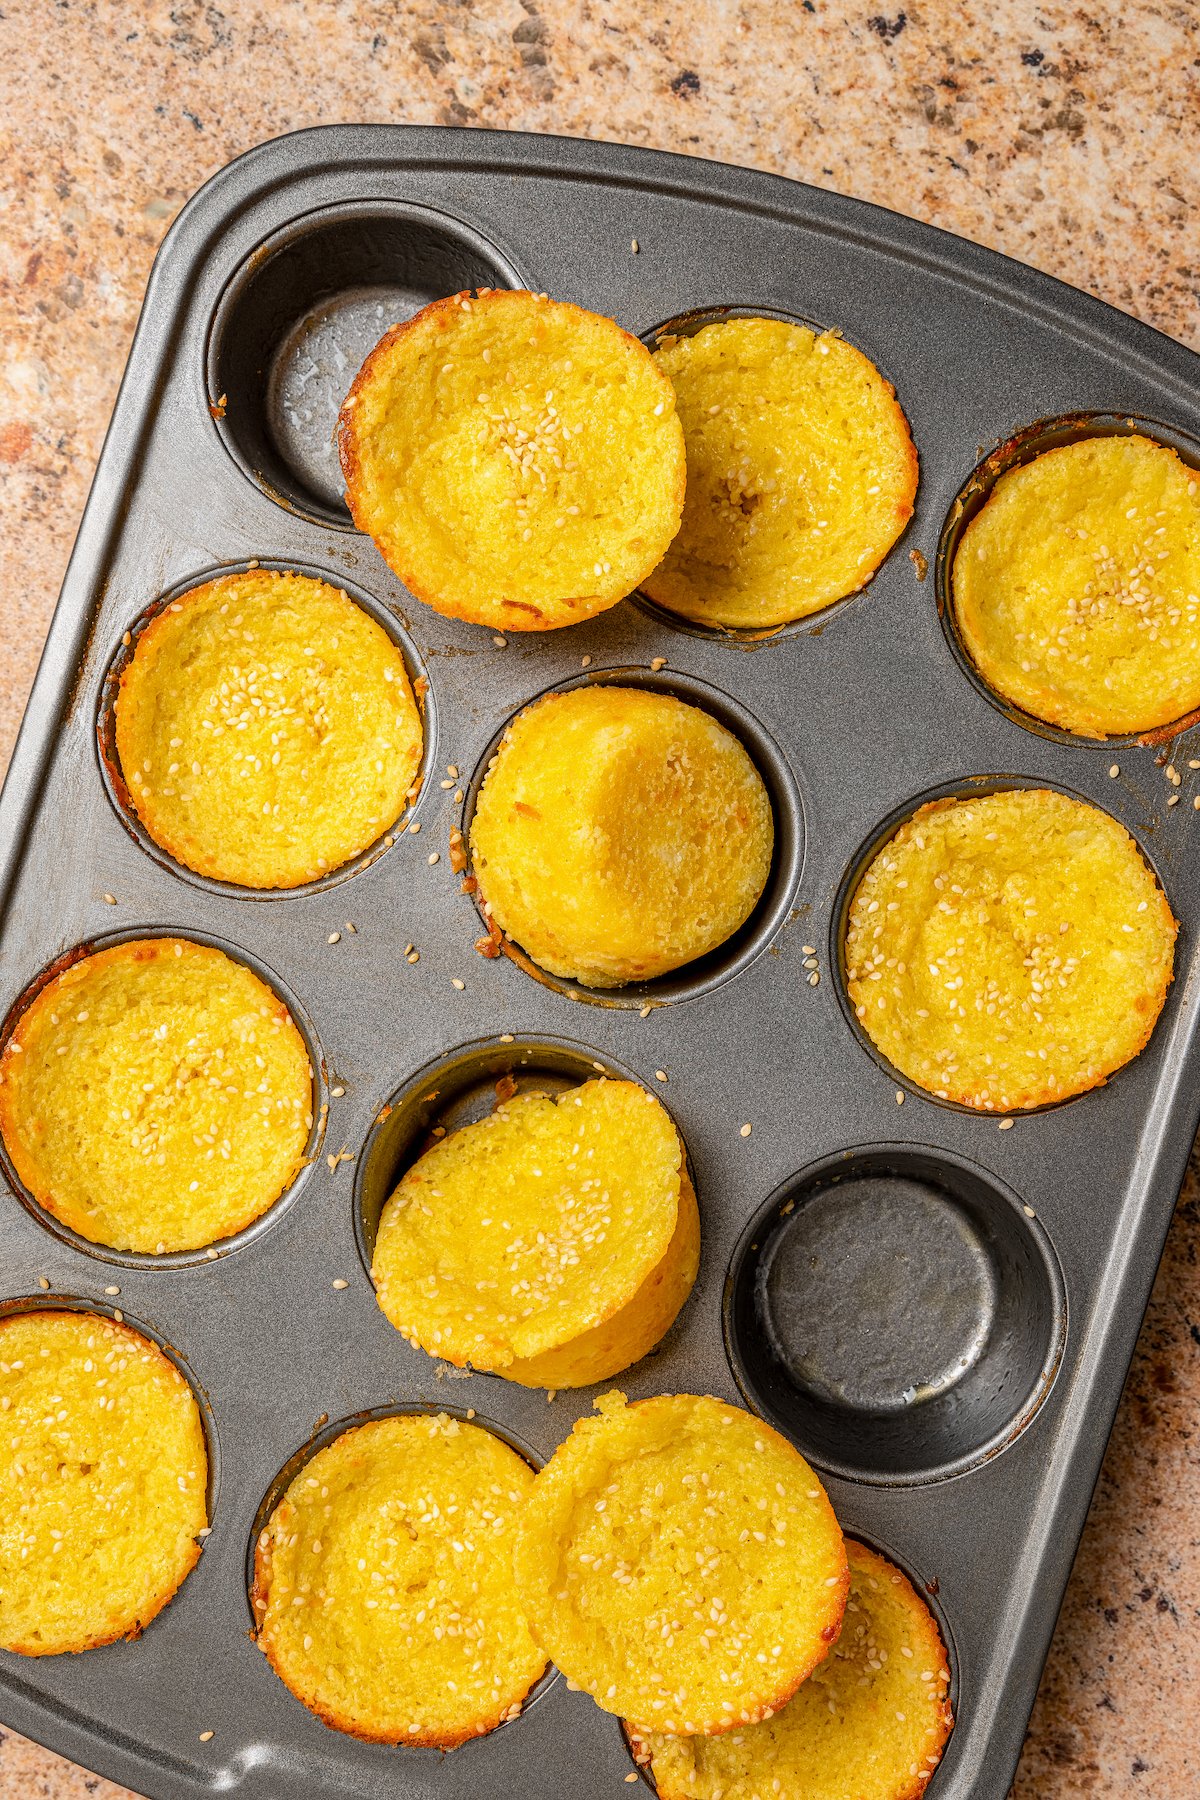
(1003, 1273)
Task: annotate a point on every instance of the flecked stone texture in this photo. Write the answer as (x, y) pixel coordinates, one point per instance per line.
(1061, 134)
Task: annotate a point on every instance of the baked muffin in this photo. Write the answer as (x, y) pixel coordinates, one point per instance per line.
(156, 1096)
(620, 834)
(1010, 950)
(871, 1722)
(801, 473)
(553, 1242)
(1076, 587)
(679, 1560)
(517, 460)
(103, 1477)
(383, 1588)
(266, 729)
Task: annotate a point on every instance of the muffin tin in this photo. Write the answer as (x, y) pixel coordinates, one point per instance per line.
(953, 1363)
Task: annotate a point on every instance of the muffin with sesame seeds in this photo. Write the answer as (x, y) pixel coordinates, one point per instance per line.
(383, 1593)
(103, 1481)
(517, 460)
(619, 834)
(266, 729)
(801, 473)
(155, 1096)
(1076, 587)
(552, 1243)
(680, 1561)
(872, 1720)
(1009, 950)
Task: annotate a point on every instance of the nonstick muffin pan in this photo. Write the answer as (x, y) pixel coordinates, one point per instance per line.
(939, 1311)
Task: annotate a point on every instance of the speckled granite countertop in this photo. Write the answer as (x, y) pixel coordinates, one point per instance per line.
(1057, 133)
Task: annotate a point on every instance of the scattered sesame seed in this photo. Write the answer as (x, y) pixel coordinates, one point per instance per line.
(1006, 1124)
(746, 1130)
(506, 1037)
(415, 827)
(456, 983)
(809, 949)
(500, 643)
(657, 663)
(434, 856)
(337, 1092)
(205, 1736)
(43, 1281)
(634, 246)
(110, 899)
(1194, 762)
(1115, 770)
(645, 1012)
(584, 661)
(815, 978)
(335, 937)
(660, 1075)
(899, 1096)
(1196, 803)
(112, 1290)
(1029, 1212)
(339, 1284)
(1174, 800)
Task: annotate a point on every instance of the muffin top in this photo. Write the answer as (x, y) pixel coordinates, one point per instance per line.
(801, 473)
(620, 833)
(1009, 950)
(517, 460)
(383, 1585)
(871, 1721)
(1076, 587)
(680, 1561)
(103, 1473)
(156, 1096)
(515, 1235)
(266, 729)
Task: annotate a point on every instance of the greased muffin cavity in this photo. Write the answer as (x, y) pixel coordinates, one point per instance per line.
(383, 1589)
(266, 729)
(103, 1479)
(156, 1096)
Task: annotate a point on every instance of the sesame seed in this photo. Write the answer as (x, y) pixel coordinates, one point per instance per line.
(337, 1092)
(660, 1075)
(1115, 770)
(809, 949)
(1029, 1212)
(746, 1130)
(110, 899)
(335, 937)
(434, 856)
(584, 661)
(112, 1290)
(205, 1737)
(1174, 800)
(634, 246)
(506, 1037)
(456, 983)
(657, 663)
(500, 643)
(415, 827)
(43, 1281)
(899, 1096)
(339, 1284)
(1006, 1124)
(815, 978)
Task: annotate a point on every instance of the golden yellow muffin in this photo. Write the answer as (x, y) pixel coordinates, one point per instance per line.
(517, 460)
(620, 834)
(1010, 950)
(156, 1096)
(266, 729)
(870, 1724)
(679, 1560)
(383, 1588)
(801, 473)
(1076, 587)
(553, 1242)
(103, 1473)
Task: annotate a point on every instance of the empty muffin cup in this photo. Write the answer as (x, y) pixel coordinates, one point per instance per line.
(896, 1312)
(296, 321)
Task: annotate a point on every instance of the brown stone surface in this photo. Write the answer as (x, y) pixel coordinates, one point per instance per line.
(1062, 134)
